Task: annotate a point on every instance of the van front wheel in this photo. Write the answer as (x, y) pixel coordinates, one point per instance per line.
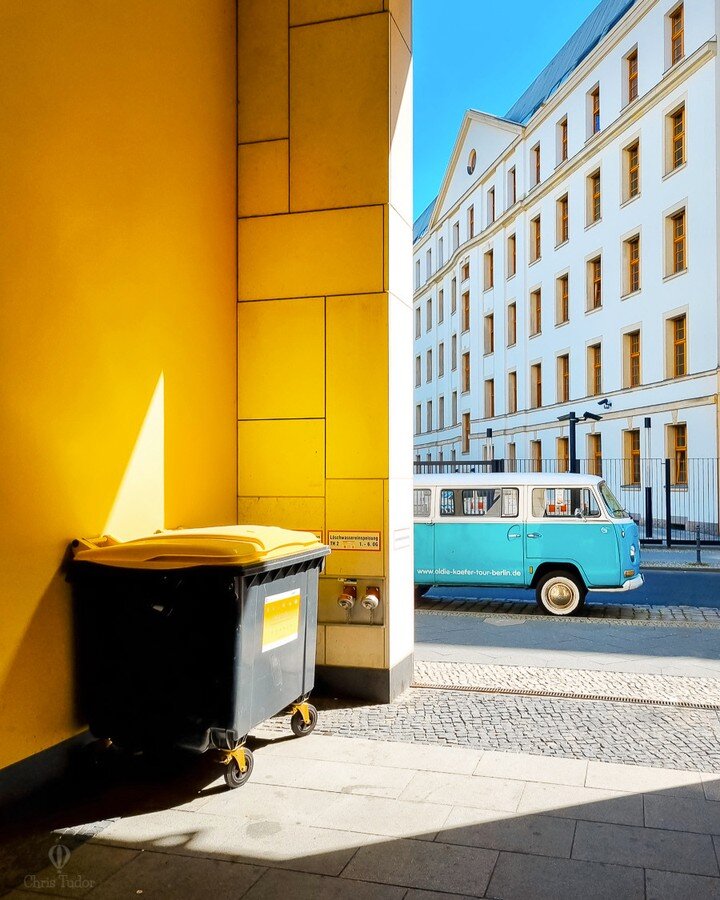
(560, 594)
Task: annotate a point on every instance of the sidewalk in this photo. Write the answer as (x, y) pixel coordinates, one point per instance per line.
(680, 558)
(354, 819)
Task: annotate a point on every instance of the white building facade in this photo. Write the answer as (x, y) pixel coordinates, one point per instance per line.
(571, 258)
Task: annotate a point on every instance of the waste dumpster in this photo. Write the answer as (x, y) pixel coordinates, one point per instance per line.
(193, 637)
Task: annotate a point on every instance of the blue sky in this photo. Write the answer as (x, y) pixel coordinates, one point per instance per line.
(479, 54)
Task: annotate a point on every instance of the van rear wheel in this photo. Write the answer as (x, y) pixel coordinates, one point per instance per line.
(560, 594)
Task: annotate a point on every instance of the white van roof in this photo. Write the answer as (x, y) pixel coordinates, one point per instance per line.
(509, 479)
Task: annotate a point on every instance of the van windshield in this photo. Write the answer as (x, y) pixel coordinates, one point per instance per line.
(614, 508)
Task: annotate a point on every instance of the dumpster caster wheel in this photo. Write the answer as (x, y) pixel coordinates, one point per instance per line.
(238, 767)
(300, 724)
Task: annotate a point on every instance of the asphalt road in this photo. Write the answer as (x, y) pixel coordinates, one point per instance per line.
(661, 588)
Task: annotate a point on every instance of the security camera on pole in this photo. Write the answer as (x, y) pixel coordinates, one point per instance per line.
(572, 421)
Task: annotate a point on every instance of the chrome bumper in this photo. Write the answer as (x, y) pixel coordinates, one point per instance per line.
(630, 585)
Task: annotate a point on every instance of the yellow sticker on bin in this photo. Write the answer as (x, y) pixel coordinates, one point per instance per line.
(281, 620)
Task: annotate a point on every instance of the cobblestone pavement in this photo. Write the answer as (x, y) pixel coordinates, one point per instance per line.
(639, 686)
(607, 732)
(677, 615)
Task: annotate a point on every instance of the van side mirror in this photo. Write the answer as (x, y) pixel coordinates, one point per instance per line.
(579, 514)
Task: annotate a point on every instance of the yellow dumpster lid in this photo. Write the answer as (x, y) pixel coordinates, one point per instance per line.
(229, 545)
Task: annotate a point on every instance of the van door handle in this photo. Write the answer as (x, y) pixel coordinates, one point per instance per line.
(511, 537)
(534, 534)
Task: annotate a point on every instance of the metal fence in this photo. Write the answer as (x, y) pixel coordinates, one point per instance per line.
(673, 502)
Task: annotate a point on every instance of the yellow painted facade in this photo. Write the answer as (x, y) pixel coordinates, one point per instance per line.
(117, 367)
(159, 162)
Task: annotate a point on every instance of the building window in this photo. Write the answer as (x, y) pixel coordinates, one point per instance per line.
(562, 296)
(428, 366)
(428, 265)
(535, 243)
(466, 311)
(489, 276)
(675, 139)
(593, 198)
(418, 419)
(676, 242)
(512, 392)
(490, 398)
(562, 224)
(456, 235)
(471, 222)
(465, 271)
(677, 451)
(631, 171)
(563, 378)
(441, 360)
(453, 352)
(465, 433)
(418, 322)
(511, 256)
(453, 296)
(489, 333)
(631, 70)
(535, 165)
(631, 452)
(594, 111)
(632, 370)
(562, 137)
(454, 408)
(631, 266)
(418, 370)
(563, 454)
(428, 314)
(417, 274)
(595, 454)
(441, 307)
(536, 456)
(594, 278)
(511, 457)
(677, 340)
(429, 415)
(535, 312)
(512, 187)
(594, 355)
(677, 34)
(491, 206)
(441, 413)
(511, 324)
(441, 257)
(465, 386)
(536, 385)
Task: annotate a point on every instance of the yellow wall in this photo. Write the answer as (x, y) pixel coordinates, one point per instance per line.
(117, 306)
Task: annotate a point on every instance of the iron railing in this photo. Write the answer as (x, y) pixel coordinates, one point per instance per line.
(673, 502)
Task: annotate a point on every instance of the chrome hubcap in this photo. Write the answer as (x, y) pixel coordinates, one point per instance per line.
(560, 595)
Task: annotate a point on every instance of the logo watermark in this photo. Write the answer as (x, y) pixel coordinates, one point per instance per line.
(59, 856)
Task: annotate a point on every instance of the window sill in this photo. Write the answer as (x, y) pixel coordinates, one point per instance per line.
(630, 487)
(533, 261)
(562, 243)
(534, 335)
(511, 276)
(512, 346)
(593, 309)
(631, 294)
(629, 200)
(488, 288)
(675, 275)
(671, 172)
(561, 324)
(593, 223)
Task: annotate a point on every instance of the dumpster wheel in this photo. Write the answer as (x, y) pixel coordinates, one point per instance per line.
(304, 719)
(239, 766)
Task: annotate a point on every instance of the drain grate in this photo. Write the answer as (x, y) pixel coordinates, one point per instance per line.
(566, 695)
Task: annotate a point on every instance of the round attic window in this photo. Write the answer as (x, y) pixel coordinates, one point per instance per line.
(472, 159)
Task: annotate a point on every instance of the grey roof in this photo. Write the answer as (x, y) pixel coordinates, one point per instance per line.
(604, 17)
(423, 221)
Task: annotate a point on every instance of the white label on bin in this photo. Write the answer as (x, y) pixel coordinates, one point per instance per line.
(281, 619)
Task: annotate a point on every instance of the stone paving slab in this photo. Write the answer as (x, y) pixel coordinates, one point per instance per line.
(635, 614)
(595, 683)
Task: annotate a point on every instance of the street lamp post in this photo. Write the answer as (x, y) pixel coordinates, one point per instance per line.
(572, 421)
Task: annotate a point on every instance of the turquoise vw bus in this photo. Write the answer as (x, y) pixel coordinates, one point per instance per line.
(561, 535)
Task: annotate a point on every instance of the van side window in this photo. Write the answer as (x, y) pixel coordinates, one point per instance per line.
(447, 503)
(561, 503)
(421, 503)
